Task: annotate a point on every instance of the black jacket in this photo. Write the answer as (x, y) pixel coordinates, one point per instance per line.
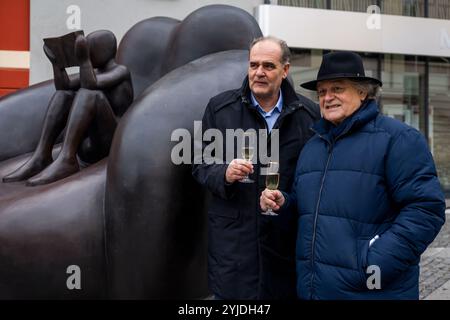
(252, 256)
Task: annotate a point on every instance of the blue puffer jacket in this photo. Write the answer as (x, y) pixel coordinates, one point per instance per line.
(372, 175)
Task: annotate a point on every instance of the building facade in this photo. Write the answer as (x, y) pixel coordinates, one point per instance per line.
(407, 46)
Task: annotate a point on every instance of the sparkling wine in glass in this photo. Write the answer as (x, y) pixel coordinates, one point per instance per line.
(272, 181)
(247, 153)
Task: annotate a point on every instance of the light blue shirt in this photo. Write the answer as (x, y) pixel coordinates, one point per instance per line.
(271, 116)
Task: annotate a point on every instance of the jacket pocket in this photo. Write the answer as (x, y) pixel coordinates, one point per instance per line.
(362, 246)
(230, 214)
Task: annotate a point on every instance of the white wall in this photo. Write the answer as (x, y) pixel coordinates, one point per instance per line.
(357, 31)
(48, 18)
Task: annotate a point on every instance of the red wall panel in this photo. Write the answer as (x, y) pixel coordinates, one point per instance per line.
(13, 78)
(15, 25)
(14, 35)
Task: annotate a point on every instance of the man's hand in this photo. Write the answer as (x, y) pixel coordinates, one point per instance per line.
(237, 170)
(273, 199)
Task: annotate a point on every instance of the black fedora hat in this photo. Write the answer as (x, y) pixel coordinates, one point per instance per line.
(340, 64)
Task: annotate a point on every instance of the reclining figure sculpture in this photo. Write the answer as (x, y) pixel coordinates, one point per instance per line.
(90, 103)
(133, 222)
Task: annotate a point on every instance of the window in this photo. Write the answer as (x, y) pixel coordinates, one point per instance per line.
(319, 4)
(439, 9)
(403, 89)
(439, 113)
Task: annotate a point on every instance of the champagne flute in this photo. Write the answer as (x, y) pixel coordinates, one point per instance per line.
(247, 152)
(272, 181)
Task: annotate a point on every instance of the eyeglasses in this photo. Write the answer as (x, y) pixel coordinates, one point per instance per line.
(334, 90)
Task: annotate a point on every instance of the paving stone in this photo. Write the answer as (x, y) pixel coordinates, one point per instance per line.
(441, 293)
(434, 280)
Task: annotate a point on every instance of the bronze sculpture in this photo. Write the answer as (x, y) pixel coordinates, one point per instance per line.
(90, 103)
(128, 221)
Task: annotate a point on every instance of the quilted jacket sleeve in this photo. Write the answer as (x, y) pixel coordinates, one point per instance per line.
(415, 190)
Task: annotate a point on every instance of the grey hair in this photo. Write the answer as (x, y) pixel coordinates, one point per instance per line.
(372, 88)
(285, 52)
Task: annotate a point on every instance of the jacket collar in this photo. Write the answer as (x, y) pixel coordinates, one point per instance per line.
(367, 112)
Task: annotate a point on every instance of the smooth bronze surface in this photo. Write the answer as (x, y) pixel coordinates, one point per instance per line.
(134, 222)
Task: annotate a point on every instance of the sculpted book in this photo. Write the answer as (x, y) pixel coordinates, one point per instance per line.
(64, 49)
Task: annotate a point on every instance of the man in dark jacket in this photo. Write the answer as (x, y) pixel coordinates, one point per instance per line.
(250, 255)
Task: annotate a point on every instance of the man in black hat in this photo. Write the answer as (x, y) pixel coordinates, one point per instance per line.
(251, 255)
(366, 192)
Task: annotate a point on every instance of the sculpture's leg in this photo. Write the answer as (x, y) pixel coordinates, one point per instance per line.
(91, 112)
(55, 121)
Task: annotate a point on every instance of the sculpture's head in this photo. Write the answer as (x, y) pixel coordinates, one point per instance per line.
(102, 47)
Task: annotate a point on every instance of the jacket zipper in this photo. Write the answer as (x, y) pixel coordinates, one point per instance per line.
(330, 151)
(260, 119)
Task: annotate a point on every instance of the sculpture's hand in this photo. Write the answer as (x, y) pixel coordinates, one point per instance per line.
(50, 55)
(81, 49)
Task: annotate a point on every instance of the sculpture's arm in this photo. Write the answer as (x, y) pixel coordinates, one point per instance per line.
(113, 77)
(88, 78)
(61, 79)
